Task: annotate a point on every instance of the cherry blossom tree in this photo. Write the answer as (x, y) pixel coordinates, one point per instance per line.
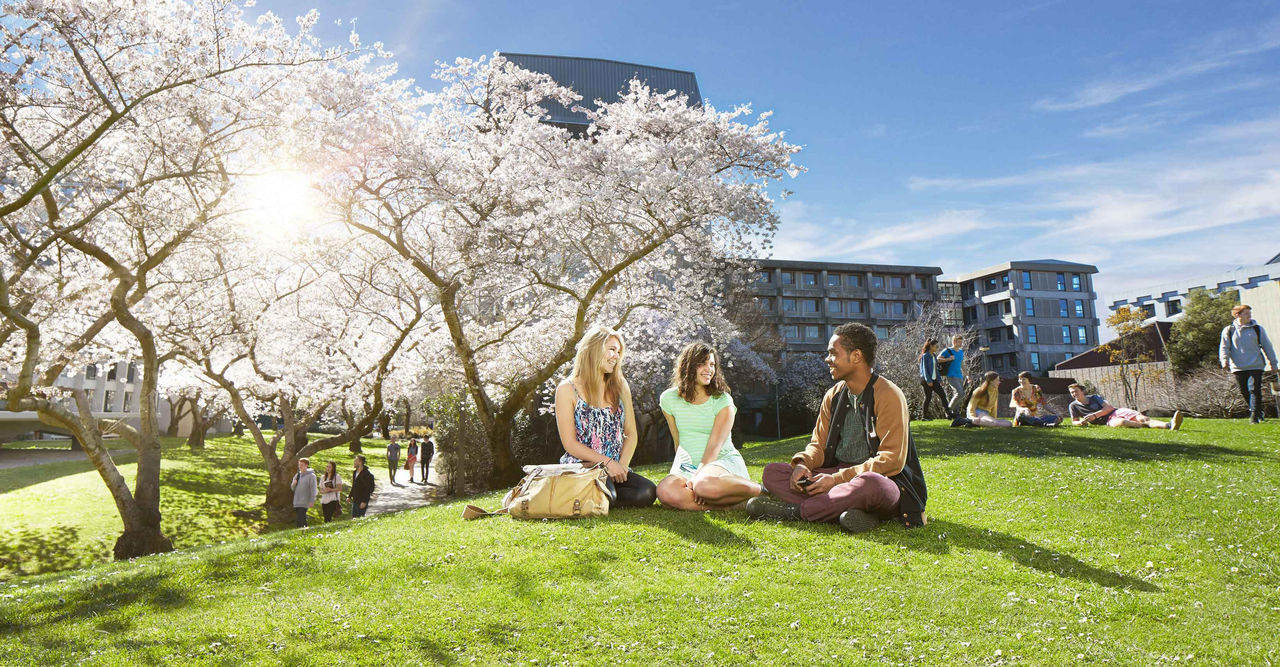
(527, 235)
(121, 122)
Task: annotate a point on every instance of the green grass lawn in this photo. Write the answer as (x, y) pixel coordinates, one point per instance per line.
(1045, 546)
(59, 516)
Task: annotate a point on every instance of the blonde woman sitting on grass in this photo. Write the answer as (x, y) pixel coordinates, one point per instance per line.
(982, 405)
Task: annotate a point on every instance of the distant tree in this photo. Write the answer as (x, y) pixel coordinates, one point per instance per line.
(803, 382)
(1195, 335)
(1130, 352)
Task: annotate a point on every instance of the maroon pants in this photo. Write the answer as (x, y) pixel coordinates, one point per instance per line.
(870, 492)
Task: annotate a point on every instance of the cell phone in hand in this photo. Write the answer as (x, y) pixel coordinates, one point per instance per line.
(804, 483)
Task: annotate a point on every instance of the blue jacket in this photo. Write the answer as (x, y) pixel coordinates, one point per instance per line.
(928, 368)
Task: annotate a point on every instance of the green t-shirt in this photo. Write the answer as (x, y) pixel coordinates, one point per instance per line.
(853, 447)
(694, 422)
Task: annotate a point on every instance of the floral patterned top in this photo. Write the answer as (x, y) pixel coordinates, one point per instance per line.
(598, 428)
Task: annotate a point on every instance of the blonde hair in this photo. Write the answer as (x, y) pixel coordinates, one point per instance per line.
(990, 381)
(586, 364)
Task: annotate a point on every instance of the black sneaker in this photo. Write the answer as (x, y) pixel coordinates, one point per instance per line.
(858, 521)
(774, 508)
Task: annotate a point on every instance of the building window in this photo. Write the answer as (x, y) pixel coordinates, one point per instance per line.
(882, 332)
(991, 284)
(877, 307)
(1026, 280)
(855, 307)
(877, 282)
(1172, 307)
(788, 305)
(765, 305)
(111, 372)
(993, 310)
(1035, 361)
(1149, 309)
(897, 282)
(1029, 307)
(764, 276)
(791, 332)
(808, 280)
(1066, 334)
(108, 398)
(809, 306)
(128, 401)
(1080, 308)
(811, 332)
(1082, 336)
(853, 280)
(898, 307)
(833, 306)
(1062, 282)
(833, 280)
(1062, 308)
(1075, 282)
(788, 278)
(132, 373)
(994, 335)
(91, 371)
(1068, 356)
(997, 361)
(922, 283)
(1004, 281)
(1031, 335)
(1013, 360)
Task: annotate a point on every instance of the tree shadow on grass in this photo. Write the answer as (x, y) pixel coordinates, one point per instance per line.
(156, 591)
(692, 526)
(1060, 441)
(940, 536)
(35, 551)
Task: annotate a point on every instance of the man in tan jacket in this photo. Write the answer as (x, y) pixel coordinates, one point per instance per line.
(860, 465)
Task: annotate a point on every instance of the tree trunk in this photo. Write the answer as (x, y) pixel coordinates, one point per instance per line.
(408, 410)
(355, 447)
(279, 496)
(384, 425)
(75, 444)
(175, 417)
(237, 429)
(199, 428)
(504, 473)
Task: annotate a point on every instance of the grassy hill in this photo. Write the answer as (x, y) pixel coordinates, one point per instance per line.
(1045, 546)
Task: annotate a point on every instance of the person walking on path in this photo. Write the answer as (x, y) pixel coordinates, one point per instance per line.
(984, 402)
(860, 465)
(331, 492)
(708, 472)
(427, 451)
(393, 459)
(361, 488)
(1029, 404)
(1245, 350)
(595, 417)
(413, 458)
(951, 367)
(930, 381)
(304, 492)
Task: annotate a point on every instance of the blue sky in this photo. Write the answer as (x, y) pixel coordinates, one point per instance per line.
(1142, 137)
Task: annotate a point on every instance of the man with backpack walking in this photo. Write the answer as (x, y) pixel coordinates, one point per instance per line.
(951, 368)
(1245, 351)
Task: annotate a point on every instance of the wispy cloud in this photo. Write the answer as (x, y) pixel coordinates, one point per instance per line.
(1221, 50)
(1138, 123)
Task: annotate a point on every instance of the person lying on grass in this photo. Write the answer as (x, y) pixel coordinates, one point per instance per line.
(860, 465)
(1094, 409)
(708, 472)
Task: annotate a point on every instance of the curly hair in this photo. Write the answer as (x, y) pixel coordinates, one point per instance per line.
(684, 377)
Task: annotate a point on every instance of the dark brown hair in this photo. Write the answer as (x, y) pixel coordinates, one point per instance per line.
(855, 336)
(928, 344)
(1024, 374)
(684, 377)
(330, 466)
(987, 379)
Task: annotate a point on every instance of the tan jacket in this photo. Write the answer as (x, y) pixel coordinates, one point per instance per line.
(891, 423)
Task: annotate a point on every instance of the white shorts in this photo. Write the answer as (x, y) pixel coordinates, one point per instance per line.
(731, 464)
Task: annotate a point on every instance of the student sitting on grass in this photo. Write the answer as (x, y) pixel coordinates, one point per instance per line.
(982, 405)
(1028, 404)
(708, 472)
(595, 419)
(860, 466)
(1093, 409)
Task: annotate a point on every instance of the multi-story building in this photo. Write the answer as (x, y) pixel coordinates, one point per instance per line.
(112, 390)
(808, 300)
(1258, 286)
(1030, 315)
(600, 79)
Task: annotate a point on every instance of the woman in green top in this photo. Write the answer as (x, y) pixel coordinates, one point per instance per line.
(708, 472)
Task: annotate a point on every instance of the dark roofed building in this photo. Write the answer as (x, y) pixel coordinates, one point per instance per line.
(599, 79)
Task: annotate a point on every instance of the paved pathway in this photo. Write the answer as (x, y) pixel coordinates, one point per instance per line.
(407, 495)
(20, 458)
